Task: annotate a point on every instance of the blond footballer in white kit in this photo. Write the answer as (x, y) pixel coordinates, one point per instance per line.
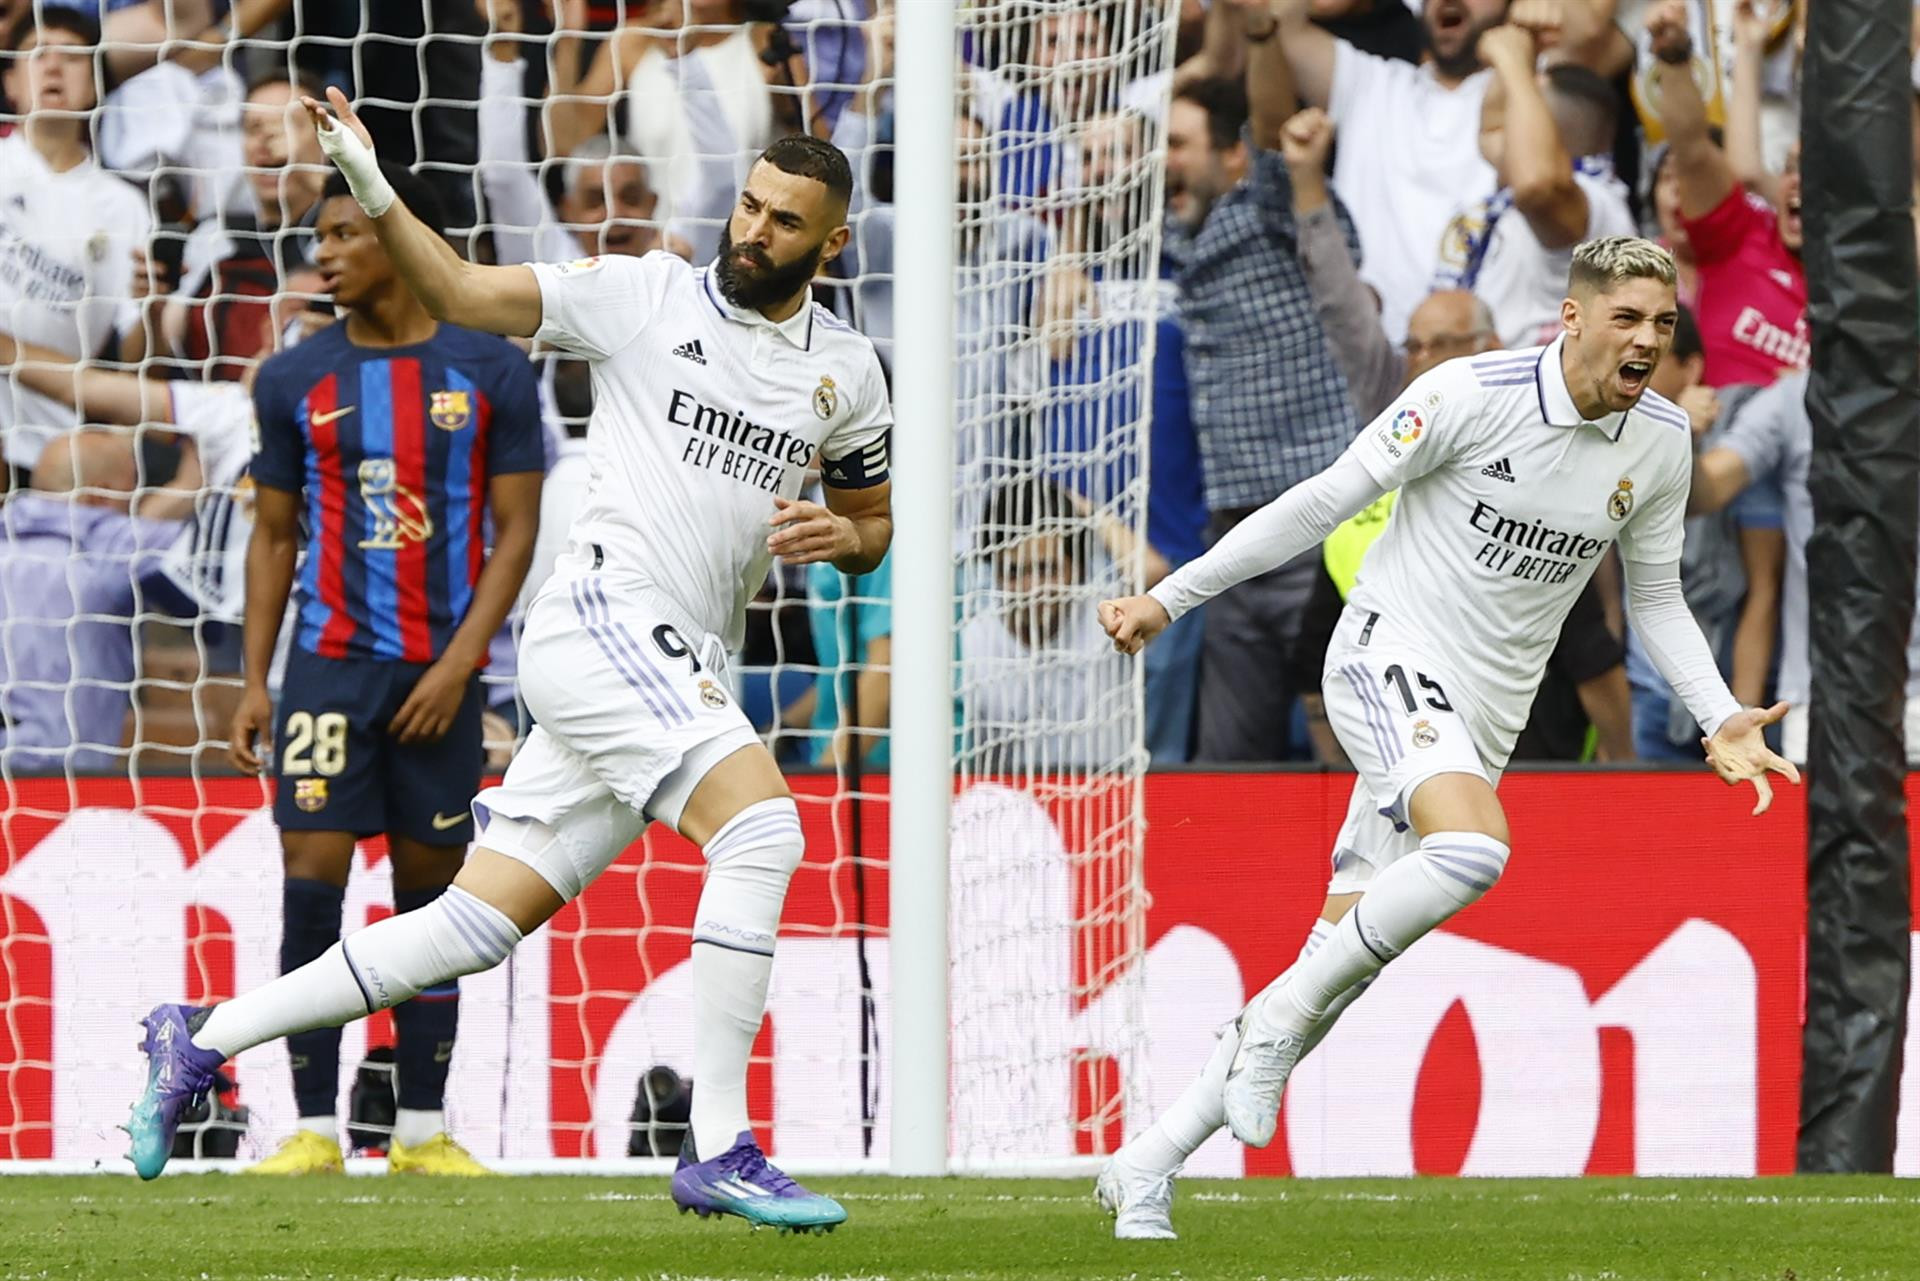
(1517, 471)
(713, 390)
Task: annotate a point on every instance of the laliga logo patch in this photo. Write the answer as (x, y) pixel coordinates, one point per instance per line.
(310, 795)
(710, 695)
(1620, 502)
(1424, 734)
(1407, 426)
(450, 410)
(825, 399)
(578, 266)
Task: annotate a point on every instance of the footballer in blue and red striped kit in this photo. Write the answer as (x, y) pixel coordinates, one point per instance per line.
(392, 451)
(399, 447)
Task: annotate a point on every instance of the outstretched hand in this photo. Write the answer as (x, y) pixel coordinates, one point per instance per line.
(330, 115)
(1738, 753)
(346, 142)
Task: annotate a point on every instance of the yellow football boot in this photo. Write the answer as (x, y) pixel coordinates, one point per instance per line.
(438, 1155)
(303, 1152)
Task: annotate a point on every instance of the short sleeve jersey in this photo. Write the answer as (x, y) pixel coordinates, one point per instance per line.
(1509, 499)
(703, 414)
(393, 448)
(66, 275)
(1753, 293)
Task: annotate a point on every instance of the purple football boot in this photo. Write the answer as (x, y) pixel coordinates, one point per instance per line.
(179, 1074)
(741, 1181)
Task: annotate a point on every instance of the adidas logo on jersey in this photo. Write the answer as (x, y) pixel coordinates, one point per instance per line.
(1499, 471)
(691, 350)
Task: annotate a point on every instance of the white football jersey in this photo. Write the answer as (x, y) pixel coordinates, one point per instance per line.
(1508, 501)
(66, 268)
(703, 413)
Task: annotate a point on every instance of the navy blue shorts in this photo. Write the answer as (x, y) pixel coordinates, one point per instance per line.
(338, 770)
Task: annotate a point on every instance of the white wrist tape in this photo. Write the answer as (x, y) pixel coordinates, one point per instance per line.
(360, 166)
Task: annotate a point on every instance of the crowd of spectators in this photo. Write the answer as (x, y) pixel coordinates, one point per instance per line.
(1354, 191)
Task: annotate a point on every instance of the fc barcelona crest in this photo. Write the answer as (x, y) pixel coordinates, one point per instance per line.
(310, 795)
(825, 398)
(450, 410)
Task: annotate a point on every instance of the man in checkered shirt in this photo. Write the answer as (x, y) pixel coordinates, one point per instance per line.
(1270, 406)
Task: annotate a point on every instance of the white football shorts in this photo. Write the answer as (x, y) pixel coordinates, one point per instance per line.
(1387, 702)
(632, 708)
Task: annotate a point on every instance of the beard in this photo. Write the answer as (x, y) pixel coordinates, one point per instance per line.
(1466, 61)
(765, 282)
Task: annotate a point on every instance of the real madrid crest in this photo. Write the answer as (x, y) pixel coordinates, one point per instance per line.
(710, 695)
(1424, 734)
(1620, 502)
(826, 399)
(450, 410)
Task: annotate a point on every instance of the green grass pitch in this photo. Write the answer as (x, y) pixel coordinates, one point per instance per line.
(222, 1228)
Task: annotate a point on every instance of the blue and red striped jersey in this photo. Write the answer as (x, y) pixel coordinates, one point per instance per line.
(392, 448)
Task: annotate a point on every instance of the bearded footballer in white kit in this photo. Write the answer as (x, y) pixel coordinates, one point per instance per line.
(1517, 470)
(713, 390)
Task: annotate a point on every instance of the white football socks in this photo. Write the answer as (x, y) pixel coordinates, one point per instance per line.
(414, 1126)
(1195, 1116)
(1414, 894)
(327, 1127)
(386, 963)
(749, 862)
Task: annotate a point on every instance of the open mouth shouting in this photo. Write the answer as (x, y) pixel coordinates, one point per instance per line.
(1632, 377)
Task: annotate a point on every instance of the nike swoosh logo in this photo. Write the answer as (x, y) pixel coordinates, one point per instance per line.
(441, 822)
(321, 420)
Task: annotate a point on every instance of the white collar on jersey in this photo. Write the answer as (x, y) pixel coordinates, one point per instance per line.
(796, 329)
(1556, 402)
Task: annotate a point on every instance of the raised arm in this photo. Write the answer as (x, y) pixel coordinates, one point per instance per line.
(1577, 31)
(518, 206)
(1223, 51)
(1536, 165)
(1271, 100)
(579, 97)
(1705, 177)
(1310, 51)
(500, 300)
(1348, 310)
(1752, 25)
(243, 21)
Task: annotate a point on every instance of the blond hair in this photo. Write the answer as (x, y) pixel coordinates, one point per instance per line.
(1599, 265)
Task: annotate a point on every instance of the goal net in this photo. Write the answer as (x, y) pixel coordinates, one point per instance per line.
(137, 866)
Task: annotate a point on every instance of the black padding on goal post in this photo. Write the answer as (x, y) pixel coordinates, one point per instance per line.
(1857, 165)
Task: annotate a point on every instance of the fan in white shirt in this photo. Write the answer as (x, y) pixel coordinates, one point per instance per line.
(1514, 248)
(1517, 471)
(714, 391)
(68, 228)
(1409, 151)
